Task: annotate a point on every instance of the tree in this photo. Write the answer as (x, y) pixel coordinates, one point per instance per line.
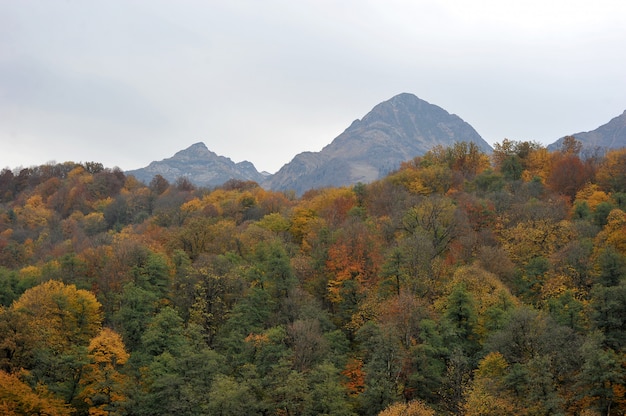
(7, 185)
(228, 397)
(60, 322)
(461, 318)
(608, 311)
(614, 232)
(512, 168)
(9, 286)
(612, 265)
(568, 175)
(434, 217)
(164, 333)
(352, 264)
(328, 392)
(517, 160)
(17, 398)
(611, 174)
(532, 238)
(214, 298)
(601, 379)
(412, 408)
(60, 316)
(382, 365)
(195, 236)
(424, 368)
(158, 184)
(307, 343)
(488, 393)
(566, 309)
(176, 368)
(543, 357)
(117, 213)
(418, 261)
(136, 307)
(104, 383)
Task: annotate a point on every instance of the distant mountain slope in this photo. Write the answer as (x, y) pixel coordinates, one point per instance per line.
(201, 166)
(611, 135)
(394, 131)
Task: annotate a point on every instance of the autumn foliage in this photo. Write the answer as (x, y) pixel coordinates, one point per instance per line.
(460, 284)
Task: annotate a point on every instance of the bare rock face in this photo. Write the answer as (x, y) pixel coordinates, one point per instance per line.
(201, 166)
(611, 135)
(394, 131)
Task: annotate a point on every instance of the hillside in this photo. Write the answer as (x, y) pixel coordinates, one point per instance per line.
(460, 284)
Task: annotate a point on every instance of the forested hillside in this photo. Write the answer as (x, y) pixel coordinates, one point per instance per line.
(460, 284)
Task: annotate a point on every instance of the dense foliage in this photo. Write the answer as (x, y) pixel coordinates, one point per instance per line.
(462, 283)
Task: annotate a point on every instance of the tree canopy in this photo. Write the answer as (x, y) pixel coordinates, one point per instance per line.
(460, 284)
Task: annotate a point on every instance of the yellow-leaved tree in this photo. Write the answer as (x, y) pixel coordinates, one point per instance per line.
(17, 398)
(57, 322)
(487, 394)
(104, 384)
(60, 315)
(614, 232)
(413, 408)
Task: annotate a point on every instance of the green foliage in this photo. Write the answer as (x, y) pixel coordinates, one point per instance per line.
(427, 363)
(382, 347)
(137, 305)
(600, 374)
(229, 397)
(567, 310)
(328, 393)
(512, 168)
(608, 311)
(9, 286)
(612, 266)
(581, 210)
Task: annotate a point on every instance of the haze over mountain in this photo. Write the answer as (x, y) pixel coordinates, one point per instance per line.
(611, 135)
(201, 166)
(394, 131)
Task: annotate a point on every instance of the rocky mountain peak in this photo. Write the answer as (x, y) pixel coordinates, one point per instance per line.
(200, 165)
(394, 131)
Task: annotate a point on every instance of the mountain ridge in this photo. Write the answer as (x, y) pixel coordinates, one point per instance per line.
(394, 131)
(201, 166)
(611, 135)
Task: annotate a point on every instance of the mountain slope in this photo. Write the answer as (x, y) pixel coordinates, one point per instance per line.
(201, 166)
(394, 131)
(611, 135)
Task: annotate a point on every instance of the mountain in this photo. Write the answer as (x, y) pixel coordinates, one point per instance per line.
(201, 166)
(394, 131)
(611, 135)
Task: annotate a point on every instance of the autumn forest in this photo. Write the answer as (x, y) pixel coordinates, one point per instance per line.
(460, 284)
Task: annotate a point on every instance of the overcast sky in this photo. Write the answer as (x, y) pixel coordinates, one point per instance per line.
(127, 82)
